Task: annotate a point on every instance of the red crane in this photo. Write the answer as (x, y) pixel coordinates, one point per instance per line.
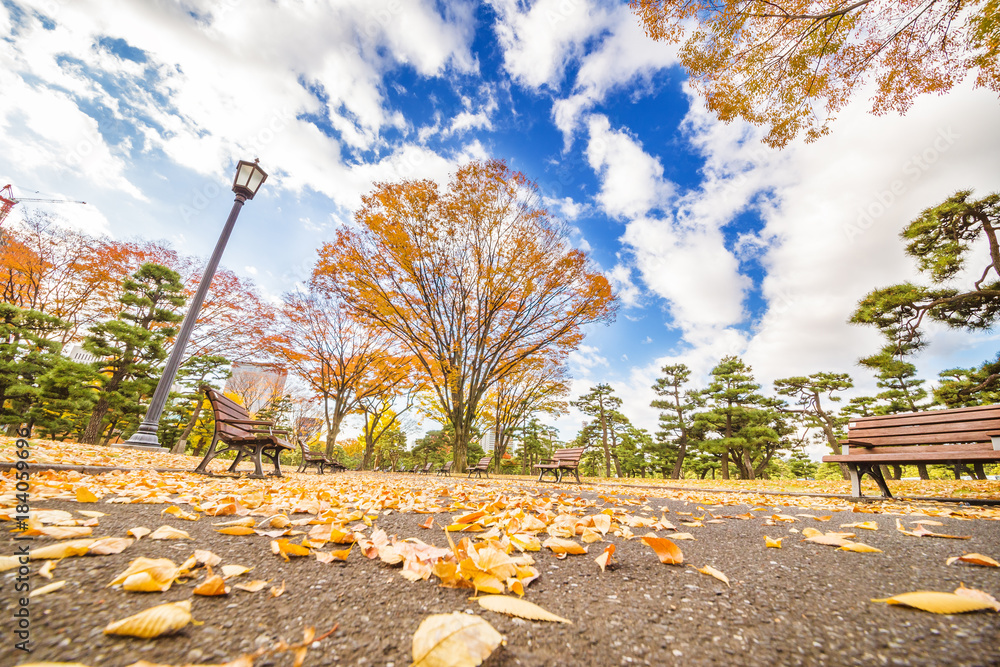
(8, 200)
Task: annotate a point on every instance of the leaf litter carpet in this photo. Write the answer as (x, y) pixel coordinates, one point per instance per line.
(163, 568)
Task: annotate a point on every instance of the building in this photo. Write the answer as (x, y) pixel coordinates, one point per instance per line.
(256, 384)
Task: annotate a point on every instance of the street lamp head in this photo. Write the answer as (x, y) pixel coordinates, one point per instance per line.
(249, 178)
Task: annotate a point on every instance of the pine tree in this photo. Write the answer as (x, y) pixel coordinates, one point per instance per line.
(27, 352)
(598, 403)
(675, 417)
(131, 346)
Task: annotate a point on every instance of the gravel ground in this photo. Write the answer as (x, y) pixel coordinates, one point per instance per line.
(803, 604)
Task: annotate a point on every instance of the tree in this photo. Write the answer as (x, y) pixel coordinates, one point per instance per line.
(130, 347)
(675, 416)
(808, 392)
(801, 466)
(791, 65)
(27, 352)
(194, 374)
(343, 363)
(599, 403)
(965, 387)
(942, 241)
(472, 280)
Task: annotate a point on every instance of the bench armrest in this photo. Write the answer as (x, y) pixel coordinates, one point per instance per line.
(248, 422)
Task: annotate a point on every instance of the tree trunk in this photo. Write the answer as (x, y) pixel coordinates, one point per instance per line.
(181, 444)
(604, 441)
(725, 464)
(366, 460)
(331, 437)
(92, 434)
(748, 464)
(922, 471)
(679, 463)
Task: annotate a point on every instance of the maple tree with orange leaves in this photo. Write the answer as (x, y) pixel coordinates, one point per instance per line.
(472, 279)
(791, 65)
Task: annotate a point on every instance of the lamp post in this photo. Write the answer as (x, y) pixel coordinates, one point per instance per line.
(249, 178)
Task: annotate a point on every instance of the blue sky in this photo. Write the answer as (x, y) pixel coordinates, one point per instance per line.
(715, 243)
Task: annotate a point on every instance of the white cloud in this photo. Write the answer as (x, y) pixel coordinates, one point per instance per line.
(620, 278)
(631, 180)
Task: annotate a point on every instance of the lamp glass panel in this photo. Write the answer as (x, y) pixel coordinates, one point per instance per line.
(244, 173)
(255, 180)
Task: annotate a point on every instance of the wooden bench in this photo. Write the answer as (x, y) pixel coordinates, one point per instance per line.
(445, 469)
(426, 469)
(563, 460)
(956, 436)
(480, 468)
(309, 458)
(248, 437)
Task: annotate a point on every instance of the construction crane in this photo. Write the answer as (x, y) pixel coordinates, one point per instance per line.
(8, 201)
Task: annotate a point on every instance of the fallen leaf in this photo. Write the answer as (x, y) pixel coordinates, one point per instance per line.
(176, 511)
(236, 530)
(429, 523)
(91, 514)
(563, 546)
(681, 536)
(46, 570)
(773, 543)
(251, 586)
(605, 556)
(504, 604)
(277, 592)
(860, 548)
(867, 525)
(246, 522)
(214, 585)
(665, 550)
(107, 546)
(153, 622)
(138, 532)
(147, 575)
(61, 550)
(63, 532)
(85, 495)
(54, 586)
(169, 533)
(453, 640)
(974, 559)
(712, 572)
(981, 596)
(811, 532)
(828, 539)
(938, 603)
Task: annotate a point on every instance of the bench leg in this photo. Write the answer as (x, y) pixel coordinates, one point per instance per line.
(859, 470)
(236, 461)
(209, 455)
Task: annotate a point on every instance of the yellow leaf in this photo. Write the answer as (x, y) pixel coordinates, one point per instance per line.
(525, 542)
(46, 570)
(251, 586)
(85, 495)
(811, 532)
(54, 586)
(590, 535)
(712, 572)
(860, 548)
(563, 546)
(771, 542)
(981, 596)
(279, 521)
(245, 521)
(61, 550)
(453, 640)
(938, 603)
(214, 585)
(153, 622)
(828, 539)
(277, 592)
(602, 522)
(147, 574)
(169, 533)
(64, 532)
(504, 604)
(668, 552)
(867, 525)
(91, 514)
(138, 532)
(975, 559)
(176, 511)
(236, 530)
(605, 556)
(109, 545)
(230, 571)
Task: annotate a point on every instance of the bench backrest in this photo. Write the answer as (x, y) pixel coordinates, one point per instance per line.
(570, 455)
(962, 428)
(484, 462)
(226, 410)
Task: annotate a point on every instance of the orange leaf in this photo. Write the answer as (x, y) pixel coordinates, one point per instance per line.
(665, 550)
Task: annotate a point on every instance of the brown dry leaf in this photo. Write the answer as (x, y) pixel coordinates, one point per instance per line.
(277, 592)
(665, 550)
(859, 547)
(771, 542)
(46, 570)
(107, 546)
(981, 596)
(237, 530)
(169, 533)
(938, 603)
(453, 640)
(176, 511)
(61, 550)
(504, 604)
(563, 546)
(712, 572)
(153, 622)
(867, 525)
(605, 556)
(974, 559)
(251, 586)
(138, 532)
(213, 585)
(54, 586)
(85, 495)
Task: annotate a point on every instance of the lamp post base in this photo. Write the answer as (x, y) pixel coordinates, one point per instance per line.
(144, 438)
